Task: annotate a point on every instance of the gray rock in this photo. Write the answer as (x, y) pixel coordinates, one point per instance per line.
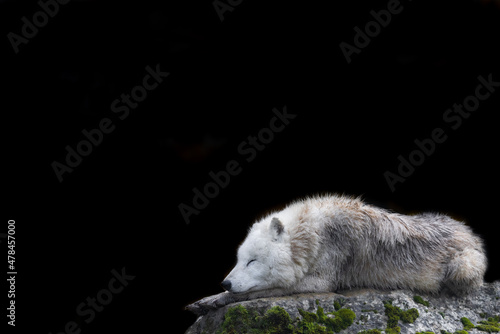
(443, 313)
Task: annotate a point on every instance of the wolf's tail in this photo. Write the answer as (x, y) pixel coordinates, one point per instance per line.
(466, 270)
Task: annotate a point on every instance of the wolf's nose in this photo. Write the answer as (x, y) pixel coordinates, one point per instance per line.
(226, 285)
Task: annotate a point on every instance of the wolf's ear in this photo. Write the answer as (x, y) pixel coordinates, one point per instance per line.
(277, 229)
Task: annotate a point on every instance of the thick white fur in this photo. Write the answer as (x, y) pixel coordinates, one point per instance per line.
(326, 243)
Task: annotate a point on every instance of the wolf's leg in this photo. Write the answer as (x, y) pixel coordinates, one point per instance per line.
(307, 284)
(202, 306)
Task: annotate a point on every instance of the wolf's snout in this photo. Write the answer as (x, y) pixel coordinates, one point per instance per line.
(226, 284)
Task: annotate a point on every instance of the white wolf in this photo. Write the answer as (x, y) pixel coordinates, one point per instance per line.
(327, 243)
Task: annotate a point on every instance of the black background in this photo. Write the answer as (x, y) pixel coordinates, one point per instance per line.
(119, 207)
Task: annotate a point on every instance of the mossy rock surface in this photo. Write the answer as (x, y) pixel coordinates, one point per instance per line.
(358, 311)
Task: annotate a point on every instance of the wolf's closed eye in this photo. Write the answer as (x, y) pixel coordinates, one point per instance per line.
(250, 262)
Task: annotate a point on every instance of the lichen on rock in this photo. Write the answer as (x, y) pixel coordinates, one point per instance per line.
(276, 320)
(394, 314)
(420, 300)
(332, 322)
(239, 320)
(490, 326)
(362, 311)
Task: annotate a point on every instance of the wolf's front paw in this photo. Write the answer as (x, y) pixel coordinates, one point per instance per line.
(196, 308)
(206, 304)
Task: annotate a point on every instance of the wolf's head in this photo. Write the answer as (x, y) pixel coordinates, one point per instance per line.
(264, 259)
